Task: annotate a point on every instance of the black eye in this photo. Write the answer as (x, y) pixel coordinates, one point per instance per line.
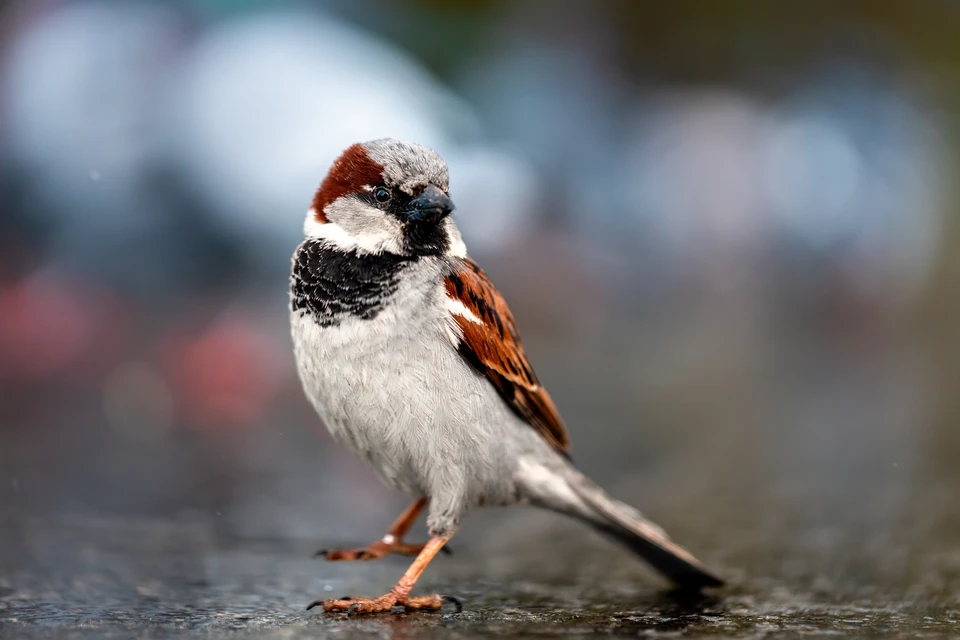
(381, 194)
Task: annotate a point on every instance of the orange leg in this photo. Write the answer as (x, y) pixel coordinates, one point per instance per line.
(392, 541)
(400, 594)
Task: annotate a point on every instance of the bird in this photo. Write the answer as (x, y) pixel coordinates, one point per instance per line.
(411, 358)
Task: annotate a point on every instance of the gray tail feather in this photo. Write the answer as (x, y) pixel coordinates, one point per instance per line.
(626, 525)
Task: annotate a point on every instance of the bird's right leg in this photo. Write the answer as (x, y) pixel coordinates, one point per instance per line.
(392, 541)
(400, 594)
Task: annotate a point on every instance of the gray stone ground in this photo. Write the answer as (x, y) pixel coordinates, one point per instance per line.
(831, 507)
(530, 575)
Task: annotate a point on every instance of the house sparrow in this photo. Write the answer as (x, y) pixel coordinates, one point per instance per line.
(412, 359)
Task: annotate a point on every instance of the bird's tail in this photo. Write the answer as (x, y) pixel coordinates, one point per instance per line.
(626, 525)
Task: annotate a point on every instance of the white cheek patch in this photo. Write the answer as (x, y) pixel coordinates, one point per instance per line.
(368, 238)
(354, 226)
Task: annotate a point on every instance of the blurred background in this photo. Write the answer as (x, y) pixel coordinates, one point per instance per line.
(729, 232)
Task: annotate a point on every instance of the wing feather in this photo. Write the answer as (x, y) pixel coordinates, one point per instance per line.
(486, 336)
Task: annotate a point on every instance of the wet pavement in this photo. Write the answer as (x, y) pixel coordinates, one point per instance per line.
(825, 492)
(520, 573)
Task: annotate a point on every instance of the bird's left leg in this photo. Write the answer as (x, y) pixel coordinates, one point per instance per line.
(400, 594)
(391, 542)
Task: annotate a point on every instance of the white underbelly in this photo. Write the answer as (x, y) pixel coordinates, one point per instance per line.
(405, 402)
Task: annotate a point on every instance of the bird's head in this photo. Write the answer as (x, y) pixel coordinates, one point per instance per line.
(386, 196)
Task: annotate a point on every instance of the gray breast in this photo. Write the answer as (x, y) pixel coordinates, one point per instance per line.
(367, 333)
(392, 388)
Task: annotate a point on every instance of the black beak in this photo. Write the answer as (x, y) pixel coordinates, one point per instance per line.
(433, 205)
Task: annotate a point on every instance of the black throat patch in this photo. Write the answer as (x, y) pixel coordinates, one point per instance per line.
(332, 284)
(426, 239)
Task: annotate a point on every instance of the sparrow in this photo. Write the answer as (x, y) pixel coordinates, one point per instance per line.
(412, 360)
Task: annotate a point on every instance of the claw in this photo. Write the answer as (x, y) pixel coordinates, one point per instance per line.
(320, 554)
(457, 602)
(352, 608)
(315, 603)
(446, 550)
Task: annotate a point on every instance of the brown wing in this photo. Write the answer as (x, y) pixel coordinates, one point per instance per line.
(487, 338)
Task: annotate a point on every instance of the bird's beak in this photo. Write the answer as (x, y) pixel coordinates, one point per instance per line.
(433, 205)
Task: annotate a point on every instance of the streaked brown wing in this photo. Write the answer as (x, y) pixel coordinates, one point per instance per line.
(488, 340)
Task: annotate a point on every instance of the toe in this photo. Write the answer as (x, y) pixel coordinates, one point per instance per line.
(355, 606)
(332, 605)
(378, 605)
(372, 552)
(335, 555)
(431, 603)
(454, 600)
(407, 549)
(331, 554)
(423, 602)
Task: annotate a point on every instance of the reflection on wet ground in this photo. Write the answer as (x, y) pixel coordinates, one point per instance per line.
(520, 573)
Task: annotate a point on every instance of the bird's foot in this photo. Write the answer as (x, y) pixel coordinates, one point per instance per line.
(387, 603)
(374, 551)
